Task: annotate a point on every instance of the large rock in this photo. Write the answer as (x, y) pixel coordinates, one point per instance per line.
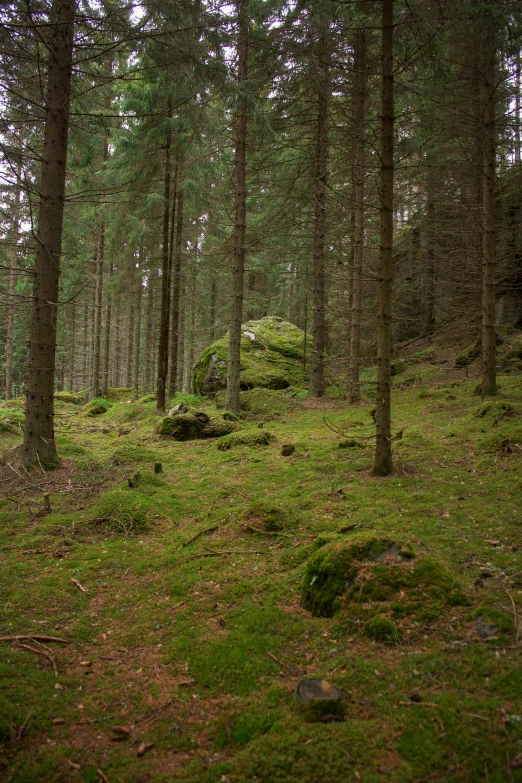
(272, 357)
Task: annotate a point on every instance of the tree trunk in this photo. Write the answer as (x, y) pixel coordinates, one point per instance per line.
(107, 348)
(383, 464)
(359, 65)
(39, 444)
(176, 298)
(163, 346)
(72, 347)
(13, 257)
(238, 262)
(180, 366)
(489, 379)
(96, 357)
(431, 269)
(317, 382)
(130, 331)
(517, 106)
(85, 340)
(137, 337)
(192, 328)
(149, 339)
(213, 299)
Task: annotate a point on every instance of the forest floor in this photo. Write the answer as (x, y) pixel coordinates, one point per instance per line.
(180, 611)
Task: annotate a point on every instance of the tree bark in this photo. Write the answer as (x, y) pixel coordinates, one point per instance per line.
(72, 347)
(149, 339)
(107, 347)
(359, 65)
(98, 298)
(317, 381)
(213, 300)
(383, 464)
(137, 336)
(238, 262)
(489, 379)
(116, 352)
(85, 340)
(180, 365)
(176, 298)
(13, 257)
(163, 345)
(130, 331)
(39, 444)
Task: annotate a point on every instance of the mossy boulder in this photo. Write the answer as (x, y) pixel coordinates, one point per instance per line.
(119, 394)
(195, 425)
(95, 408)
(469, 355)
(374, 570)
(272, 354)
(248, 438)
(397, 367)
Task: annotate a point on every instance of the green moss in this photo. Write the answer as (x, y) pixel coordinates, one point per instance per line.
(419, 357)
(502, 621)
(332, 569)
(261, 402)
(241, 728)
(271, 357)
(119, 394)
(507, 439)
(381, 629)
(397, 367)
(95, 408)
(146, 399)
(470, 354)
(274, 518)
(122, 510)
(127, 455)
(8, 428)
(197, 424)
(245, 438)
(511, 361)
(69, 397)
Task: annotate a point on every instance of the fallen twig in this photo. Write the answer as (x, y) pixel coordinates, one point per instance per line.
(201, 533)
(278, 661)
(515, 615)
(33, 638)
(418, 704)
(79, 586)
(102, 776)
(45, 655)
(151, 717)
(218, 554)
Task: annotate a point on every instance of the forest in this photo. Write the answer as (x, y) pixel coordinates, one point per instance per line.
(260, 391)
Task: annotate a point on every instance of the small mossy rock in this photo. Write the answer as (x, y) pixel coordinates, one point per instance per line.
(382, 629)
(287, 449)
(490, 622)
(470, 354)
(131, 453)
(221, 424)
(397, 367)
(272, 352)
(247, 438)
(274, 518)
(319, 701)
(95, 408)
(349, 443)
(179, 408)
(333, 569)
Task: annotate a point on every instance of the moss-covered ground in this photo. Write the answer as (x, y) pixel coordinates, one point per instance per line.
(178, 594)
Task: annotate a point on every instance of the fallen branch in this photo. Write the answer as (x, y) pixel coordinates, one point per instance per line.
(33, 638)
(286, 666)
(218, 554)
(152, 717)
(79, 586)
(103, 777)
(201, 533)
(45, 655)
(418, 704)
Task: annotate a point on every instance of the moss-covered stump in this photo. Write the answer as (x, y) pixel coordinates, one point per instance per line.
(272, 354)
(376, 571)
(248, 438)
(195, 425)
(319, 701)
(95, 408)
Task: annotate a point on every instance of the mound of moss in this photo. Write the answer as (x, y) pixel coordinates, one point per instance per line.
(271, 517)
(245, 438)
(146, 399)
(511, 361)
(69, 397)
(122, 510)
(195, 425)
(397, 367)
(272, 355)
(119, 394)
(95, 408)
(469, 354)
(374, 570)
(127, 411)
(131, 453)
(262, 402)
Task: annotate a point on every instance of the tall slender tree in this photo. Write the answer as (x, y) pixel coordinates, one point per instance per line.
(39, 444)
